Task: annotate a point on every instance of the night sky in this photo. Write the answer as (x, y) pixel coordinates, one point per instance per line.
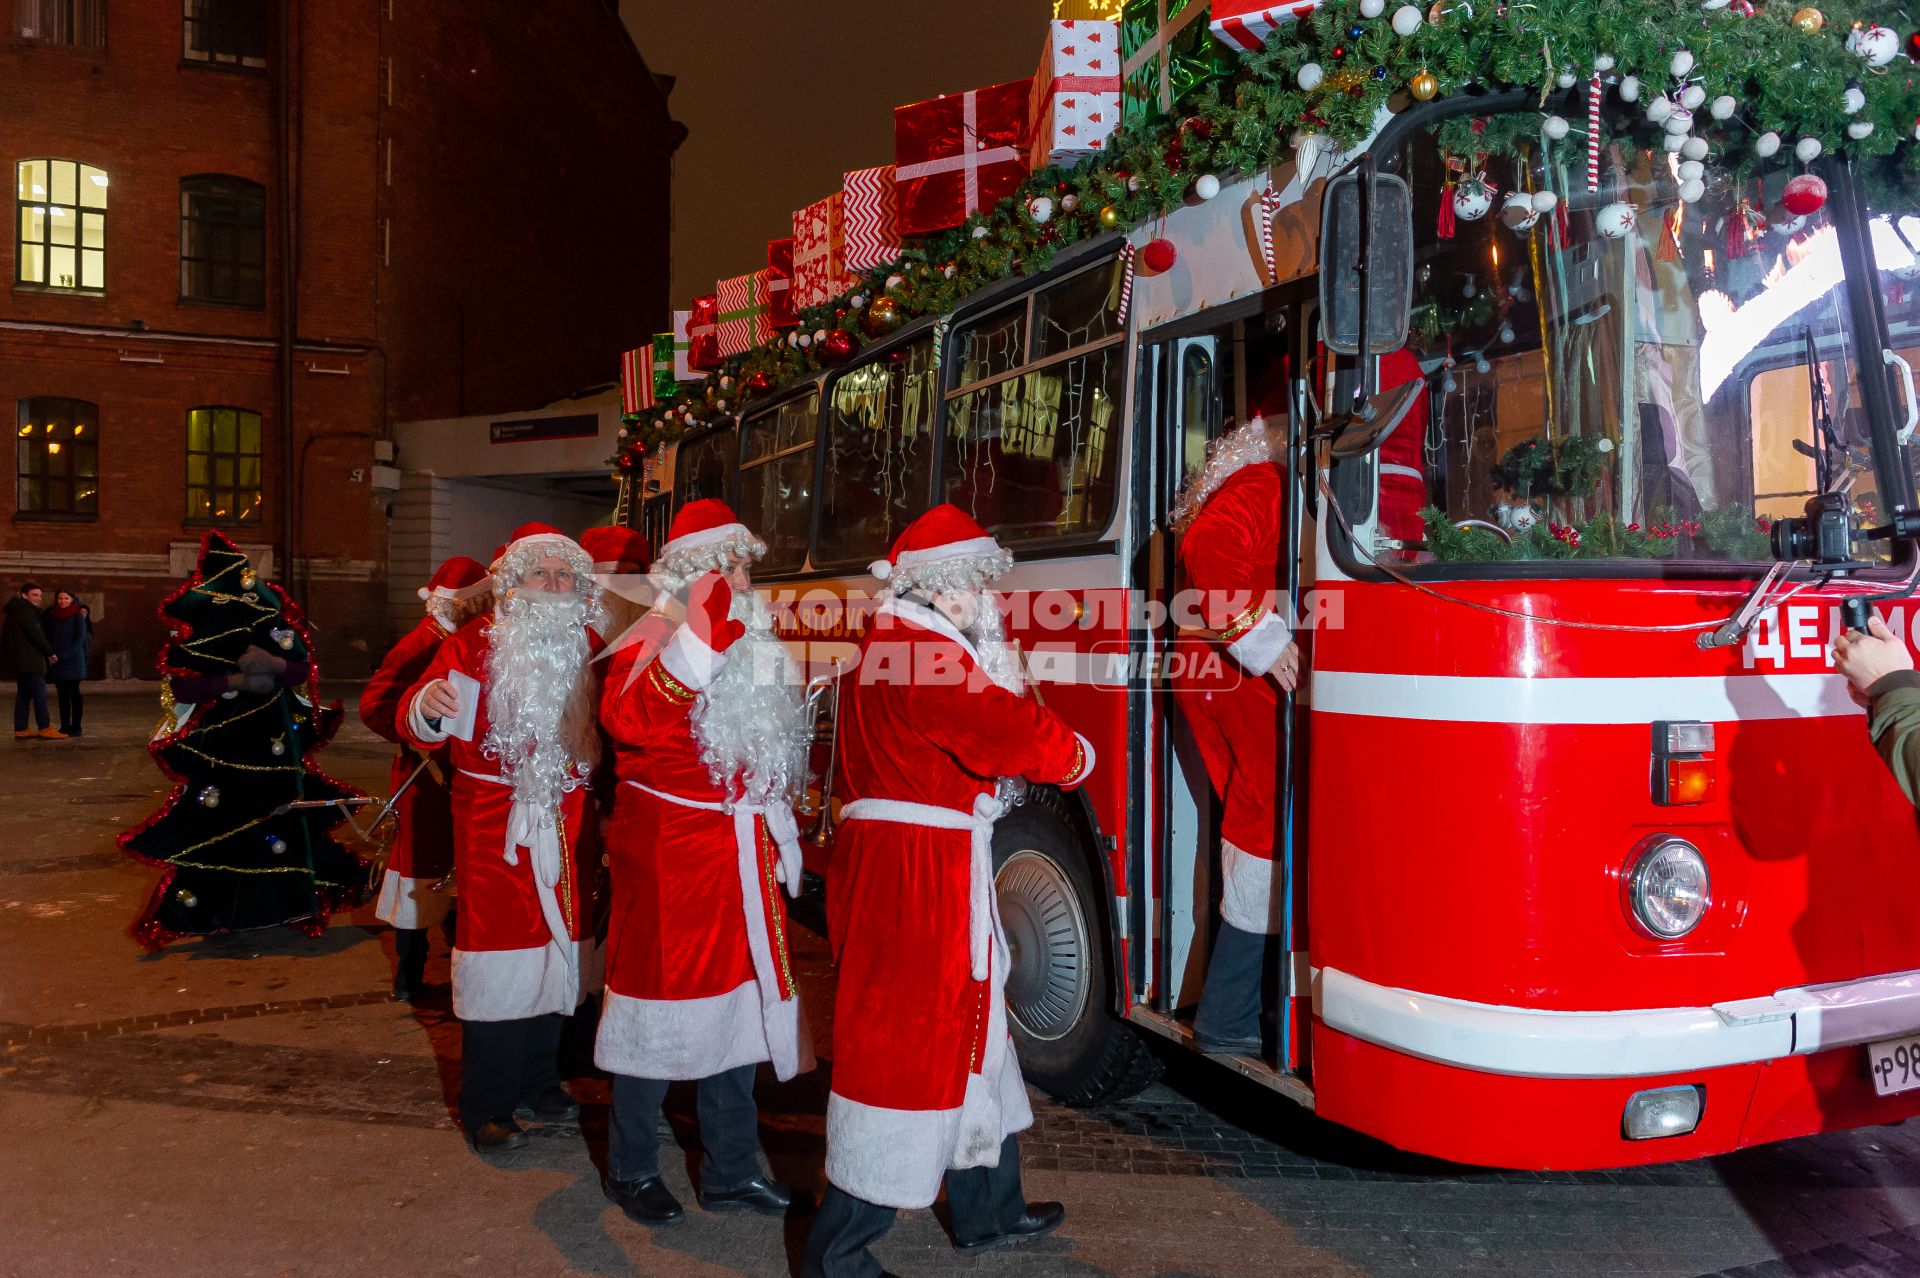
(782, 96)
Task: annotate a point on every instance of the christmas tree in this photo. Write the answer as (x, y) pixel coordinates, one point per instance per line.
(240, 727)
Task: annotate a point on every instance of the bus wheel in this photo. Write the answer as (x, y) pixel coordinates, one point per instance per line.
(1060, 980)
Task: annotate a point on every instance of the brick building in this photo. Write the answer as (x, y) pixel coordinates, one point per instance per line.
(474, 201)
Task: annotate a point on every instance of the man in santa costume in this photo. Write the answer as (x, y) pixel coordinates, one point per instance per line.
(1232, 517)
(512, 698)
(620, 558)
(926, 1087)
(710, 743)
(422, 851)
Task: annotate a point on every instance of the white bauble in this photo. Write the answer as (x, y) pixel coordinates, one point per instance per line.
(1372, 8)
(1309, 77)
(1659, 109)
(1616, 221)
(1681, 63)
(1555, 127)
(1543, 201)
(1472, 201)
(1711, 5)
(1692, 96)
(1506, 332)
(1694, 149)
(1806, 150)
(857, 300)
(1681, 121)
(1039, 208)
(1206, 186)
(1517, 211)
(981, 232)
(1852, 100)
(1069, 202)
(1766, 144)
(1723, 107)
(1407, 20)
(1876, 45)
(1603, 62)
(1691, 169)
(1471, 289)
(1674, 143)
(1630, 88)
(1860, 129)
(1692, 192)
(1566, 79)
(1521, 518)
(1308, 150)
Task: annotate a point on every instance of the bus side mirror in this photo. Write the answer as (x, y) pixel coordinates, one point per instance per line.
(1379, 251)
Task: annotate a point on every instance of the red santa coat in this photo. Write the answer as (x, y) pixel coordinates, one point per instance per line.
(924, 1075)
(521, 951)
(1231, 553)
(422, 852)
(698, 974)
(1402, 459)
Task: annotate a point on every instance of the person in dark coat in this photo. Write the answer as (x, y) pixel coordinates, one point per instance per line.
(69, 628)
(26, 655)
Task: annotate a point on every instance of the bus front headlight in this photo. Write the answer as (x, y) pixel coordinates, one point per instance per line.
(1668, 890)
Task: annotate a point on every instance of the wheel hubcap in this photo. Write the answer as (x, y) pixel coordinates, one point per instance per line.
(1048, 978)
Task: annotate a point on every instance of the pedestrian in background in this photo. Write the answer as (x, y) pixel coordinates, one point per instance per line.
(1881, 671)
(26, 655)
(68, 626)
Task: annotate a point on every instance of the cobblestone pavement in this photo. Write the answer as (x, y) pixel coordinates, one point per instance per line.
(256, 1105)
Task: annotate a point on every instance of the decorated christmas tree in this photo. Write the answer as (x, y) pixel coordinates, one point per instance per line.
(240, 726)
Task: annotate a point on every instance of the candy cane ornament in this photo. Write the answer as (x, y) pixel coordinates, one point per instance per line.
(1594, 92)
(1126, 279)
(1263, 212)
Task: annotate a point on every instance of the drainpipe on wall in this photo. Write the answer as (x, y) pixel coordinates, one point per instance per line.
(283, 183)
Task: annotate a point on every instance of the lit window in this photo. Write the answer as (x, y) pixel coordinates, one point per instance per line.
(227, 33)
(223, 223)
(223, 466)
(77, 22)
(58, 457)
(62, 225)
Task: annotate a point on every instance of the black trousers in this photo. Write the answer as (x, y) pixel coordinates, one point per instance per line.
(984, 1201)
(729, 1128)
(1240, 968)
(410, 951)
(505, 1062)
(68, 691)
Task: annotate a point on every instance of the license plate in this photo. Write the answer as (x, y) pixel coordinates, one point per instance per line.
(1894, 1064)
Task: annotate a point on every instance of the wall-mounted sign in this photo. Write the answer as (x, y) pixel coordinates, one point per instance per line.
(576, 426)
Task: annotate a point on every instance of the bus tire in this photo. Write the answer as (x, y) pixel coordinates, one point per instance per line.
(1060, 981)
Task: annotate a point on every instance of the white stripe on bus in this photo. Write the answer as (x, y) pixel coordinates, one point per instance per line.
(1499, 699)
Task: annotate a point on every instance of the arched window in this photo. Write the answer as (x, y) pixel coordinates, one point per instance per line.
(223, 465)
(223, 241)
(62, 225)
(58, 457)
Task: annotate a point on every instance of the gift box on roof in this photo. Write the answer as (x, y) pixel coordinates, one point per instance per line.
(682, 348)
(742, 318)
(703, 339)
(780, 309)
(1244, 25)
(820, 253)
(1076, 93)
(636, 379)
(1167, 53)
(665, 384)
(959, 154)
(872, 211)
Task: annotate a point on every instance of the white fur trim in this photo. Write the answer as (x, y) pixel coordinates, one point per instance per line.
(410, 903)
(690, 661)
(930, 619)
(424, 593)
(681, 1038)
(1086, 765)
(473, 590)
(952, 550)
(1259, 648)
(510, 985)
(1247, 898)
(881, 569)
(982, 922)
(708, 537)
(417, 724)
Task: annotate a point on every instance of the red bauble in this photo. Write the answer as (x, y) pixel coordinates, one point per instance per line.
(1159, 255)
(837, 348)
(627, 462)
(759, 384)
(1803, 195)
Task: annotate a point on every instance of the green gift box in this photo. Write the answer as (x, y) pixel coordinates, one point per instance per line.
(665, 385)
(1166, 54)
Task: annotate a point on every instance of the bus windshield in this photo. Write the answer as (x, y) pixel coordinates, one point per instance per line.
(1636, 368)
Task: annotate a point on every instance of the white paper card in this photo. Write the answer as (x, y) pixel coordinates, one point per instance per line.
(467, 689)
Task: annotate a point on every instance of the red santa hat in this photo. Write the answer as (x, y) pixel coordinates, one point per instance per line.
(943, 534)
(535, 534)
(706, 522)
(616, 549)
(458, 578)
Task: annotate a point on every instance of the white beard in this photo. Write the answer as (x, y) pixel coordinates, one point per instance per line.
(998, 658)
(751, 723)
(540, 705)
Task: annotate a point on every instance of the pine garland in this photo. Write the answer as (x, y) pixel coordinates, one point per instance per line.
(1784, 80)
(1728, 532)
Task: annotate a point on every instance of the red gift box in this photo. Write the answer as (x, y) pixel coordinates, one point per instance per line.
(959, 154)
(1243, 25)
(819, 253)
(703, 333)
(780, 309)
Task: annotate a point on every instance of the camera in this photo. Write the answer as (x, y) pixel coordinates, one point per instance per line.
(1823, 535)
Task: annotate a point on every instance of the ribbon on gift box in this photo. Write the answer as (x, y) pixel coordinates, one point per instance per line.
(636, 379)
(703, 339)
(967, 141)
(1245, 24)
(682, 348)
(780, 312)
(742, 314)
(1164, 55)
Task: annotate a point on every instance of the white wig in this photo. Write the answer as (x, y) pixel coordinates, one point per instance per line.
(1239, 448)
(676, 569)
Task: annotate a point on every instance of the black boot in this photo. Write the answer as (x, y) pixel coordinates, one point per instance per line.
(410, 966)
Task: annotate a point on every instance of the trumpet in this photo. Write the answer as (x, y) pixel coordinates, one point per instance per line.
(819, 687)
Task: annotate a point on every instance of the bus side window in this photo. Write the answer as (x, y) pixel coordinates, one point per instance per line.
(776, 479)
(879, 463)
(703, 467)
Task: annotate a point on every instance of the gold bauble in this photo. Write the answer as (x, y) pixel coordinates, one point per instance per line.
(1109, 218)
(1424, 86)
(1809, 19)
